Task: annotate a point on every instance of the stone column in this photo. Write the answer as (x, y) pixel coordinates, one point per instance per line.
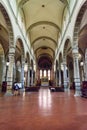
(56, 77)
(65, 75)
(85, 65)
(10, 71)
(14, 72)
(28, 79)
(32, 77)
(22, 72)
(60, 76)
(4, 68)
(76, 72)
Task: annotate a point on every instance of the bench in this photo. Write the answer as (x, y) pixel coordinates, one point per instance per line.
(84, 89)
(32, 89)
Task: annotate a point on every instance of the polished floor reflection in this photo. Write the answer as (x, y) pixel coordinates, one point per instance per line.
(43, 110)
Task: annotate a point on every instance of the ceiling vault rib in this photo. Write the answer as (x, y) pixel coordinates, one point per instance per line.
(43, 22)
(44, 37)
(22, 2)
(43, 46)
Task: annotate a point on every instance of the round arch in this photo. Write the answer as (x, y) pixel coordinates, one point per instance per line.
(19, 48)
(43, 22)
(27, 58)
(67, 47)
(8, 23)
(45, 37)
(60, 58)
(78, 23)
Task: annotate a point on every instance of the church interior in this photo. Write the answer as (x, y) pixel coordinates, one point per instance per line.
(43, 50)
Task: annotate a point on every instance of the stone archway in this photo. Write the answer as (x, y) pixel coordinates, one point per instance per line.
(9, 25)
(19, 61)
(76, 49)
(60, 70)
(8, 46)
(78, 23)
(68, 63)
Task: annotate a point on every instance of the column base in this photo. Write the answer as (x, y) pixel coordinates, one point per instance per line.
(77, 93)
(8, 93)
(65, 89)
(22, 90)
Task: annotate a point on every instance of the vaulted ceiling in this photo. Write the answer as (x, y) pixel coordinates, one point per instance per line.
(43, 22)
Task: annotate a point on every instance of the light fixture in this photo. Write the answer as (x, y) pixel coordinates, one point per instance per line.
(26, 67)
(81, 63)
(62, 67)
(79, 56)
(7, 63)
(43, 5)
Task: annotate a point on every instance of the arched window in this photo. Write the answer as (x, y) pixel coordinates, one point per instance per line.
(49, 74)
(40, 74)
(44, 73)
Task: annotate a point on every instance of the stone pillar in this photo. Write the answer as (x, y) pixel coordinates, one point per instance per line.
(38, 75)
(32, 78)
(51, 74)
(10, 71)
(22, 72)
(60, 83)
(76, 72)
(65, 75)
(14, 72)
(56, 76)
(28, 79)
(85, 65)
(4, 68)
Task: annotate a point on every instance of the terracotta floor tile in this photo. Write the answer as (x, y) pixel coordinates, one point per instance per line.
(43, 110)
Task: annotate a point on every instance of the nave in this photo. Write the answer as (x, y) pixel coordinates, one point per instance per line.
(43, 110)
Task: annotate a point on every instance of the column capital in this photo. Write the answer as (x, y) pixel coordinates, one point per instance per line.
(75, 55)
(64, 61)
(75, 49)
(12, 50)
